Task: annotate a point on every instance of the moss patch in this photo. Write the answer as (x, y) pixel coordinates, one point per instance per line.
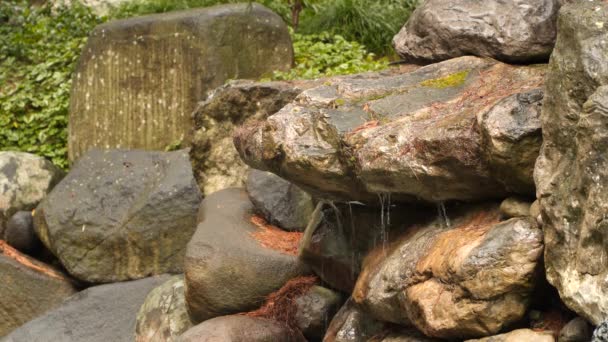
(452, 80)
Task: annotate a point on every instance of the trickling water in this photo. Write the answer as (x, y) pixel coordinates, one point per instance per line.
(443, 215)
(385, 218)
(337, 213)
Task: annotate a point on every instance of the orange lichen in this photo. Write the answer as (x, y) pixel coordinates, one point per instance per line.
(553, 320)
(8, 251)
(369, 124)
(275, 238)
(280, 305)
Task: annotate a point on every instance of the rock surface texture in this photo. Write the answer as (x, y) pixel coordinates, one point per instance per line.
(469, 279)
(519, 335)
(512, 31)
(28, 288)
(121, 215)
(163, 317)
(571, 172)
(24, 181)
(216, 162)
(414, 135)
(315, 309)
(139, 79)
(231, 265)
(99, 313)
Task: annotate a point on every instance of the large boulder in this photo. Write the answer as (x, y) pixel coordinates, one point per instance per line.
(512, 31)
(28, 288)
(99, 313)
(121, 215)
(279, 201)
(238, 328)
(216, 162)
(235, 259)
(25, 179)
(139, 79)
(571, 172)
(163, 316)
(413, 135)
(462, 275)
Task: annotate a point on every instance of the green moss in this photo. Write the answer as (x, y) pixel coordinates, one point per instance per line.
(452, 80)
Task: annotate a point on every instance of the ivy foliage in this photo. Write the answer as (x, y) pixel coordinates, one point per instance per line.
(39, 47)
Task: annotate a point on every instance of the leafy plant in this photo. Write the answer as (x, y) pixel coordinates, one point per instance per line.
(324, 54)
(39, 47)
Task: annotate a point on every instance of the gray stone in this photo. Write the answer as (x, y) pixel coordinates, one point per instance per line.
(353, 324)
(138, 80)
(577, 330)
(515, 207)
(470, 279)
(121, 215)
(315, 309)
(571, 171)
(99, 313)
(163, 317)
(229, 270)
(520, 31)
(414, 135)
(25, 179)
(600, 334)
(519, 335)
(279, 201)
(241, 329)
(19, 232)
(216, 162)
(28, 288)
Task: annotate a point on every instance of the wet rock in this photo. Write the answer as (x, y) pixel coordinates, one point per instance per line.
(353, 324)
(28, 288)
(414, 135)
(25, 179)
(279, 201)
(121, 215)
(19, 232)
(216, 162)
(241, 328)
(571, 171)
(515, 207)
(99, 313)
(511, 31)
(162, 65)
(163, 317)
(519, 335)
(234, 259)
(511, 139)
(577, 330)
(600, 334)
(315, 309)
(469, 279)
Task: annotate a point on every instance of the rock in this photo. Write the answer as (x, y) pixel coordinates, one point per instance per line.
(163, 317)
(240, 328)
(570, 173)
(511, 31)
(414, 135)
(519, 335)
(315, 309)
(216, 162)
(407, 335)
(601, 333)
(343, 233)
(19, 232)
(99, 313)
(121, 215)
(468, 280)
(234, 259)
(28, 288)
(279, 201)
(352, 324)
(138, 80)
(25, 179)
(511, 138)
(515, 207)
(577, 330)
(535, 211)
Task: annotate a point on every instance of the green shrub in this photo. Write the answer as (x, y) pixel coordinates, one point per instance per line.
(38, 51)
(324, 54)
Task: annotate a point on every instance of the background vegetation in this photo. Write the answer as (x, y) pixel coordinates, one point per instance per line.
(39, 47)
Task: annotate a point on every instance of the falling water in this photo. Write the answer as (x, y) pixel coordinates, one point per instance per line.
(443, 215)
(385, 218)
